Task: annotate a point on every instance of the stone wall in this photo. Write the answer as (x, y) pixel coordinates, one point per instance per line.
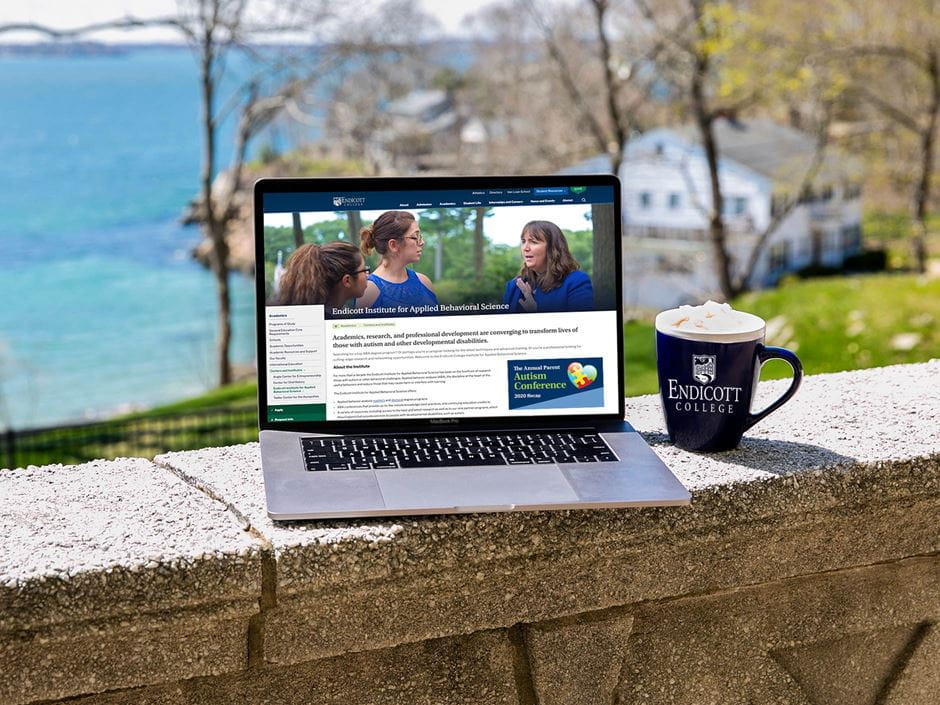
(806, 571)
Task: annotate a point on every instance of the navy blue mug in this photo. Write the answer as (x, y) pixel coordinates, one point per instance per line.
(707, 381)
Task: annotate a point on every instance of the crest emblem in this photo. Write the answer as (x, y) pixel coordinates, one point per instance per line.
(703, 368)
(337, 200)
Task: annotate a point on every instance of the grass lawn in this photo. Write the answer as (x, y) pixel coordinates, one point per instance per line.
(833, 324)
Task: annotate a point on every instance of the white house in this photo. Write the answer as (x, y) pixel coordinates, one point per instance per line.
(667, 195)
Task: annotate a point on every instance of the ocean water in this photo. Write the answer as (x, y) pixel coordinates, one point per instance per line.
(101, 308)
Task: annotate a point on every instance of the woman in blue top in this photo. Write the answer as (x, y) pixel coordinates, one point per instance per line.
(395, 236)
(550, 278)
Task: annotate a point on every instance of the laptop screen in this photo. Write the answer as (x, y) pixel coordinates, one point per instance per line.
(437, 299)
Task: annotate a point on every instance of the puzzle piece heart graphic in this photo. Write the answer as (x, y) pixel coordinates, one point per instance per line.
(581, 376)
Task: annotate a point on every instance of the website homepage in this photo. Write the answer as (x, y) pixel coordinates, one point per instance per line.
(440, 304)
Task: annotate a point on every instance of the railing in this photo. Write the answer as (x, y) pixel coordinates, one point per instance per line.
(734, 225)
(135, 436)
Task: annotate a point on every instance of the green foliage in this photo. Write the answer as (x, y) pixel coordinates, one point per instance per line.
(639, 353)
(893, 231)
(847, 323)
(581, 244)
(451, 230)
(886, 226)
(833, 324)
(268, 154)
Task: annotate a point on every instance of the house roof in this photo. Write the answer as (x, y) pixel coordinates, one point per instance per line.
(418, 104)
(776, 151)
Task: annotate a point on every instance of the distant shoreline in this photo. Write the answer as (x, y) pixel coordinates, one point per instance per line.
(84, 49)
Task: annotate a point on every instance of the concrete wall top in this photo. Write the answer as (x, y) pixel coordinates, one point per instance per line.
(846, 474)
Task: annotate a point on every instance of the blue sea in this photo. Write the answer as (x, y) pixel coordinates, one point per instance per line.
(102, 309)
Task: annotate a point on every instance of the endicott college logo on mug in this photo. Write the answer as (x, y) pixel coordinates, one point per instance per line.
(703, 368)
(709, 359)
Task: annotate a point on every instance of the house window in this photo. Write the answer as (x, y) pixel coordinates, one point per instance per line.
(735, 206)
(852, 191)
(646, 200)
(851, 239)
(779, 257)
(673, 201)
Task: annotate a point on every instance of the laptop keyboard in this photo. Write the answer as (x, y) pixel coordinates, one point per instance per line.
(431, 451)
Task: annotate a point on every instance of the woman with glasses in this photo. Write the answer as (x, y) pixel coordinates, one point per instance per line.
(396, 237)
(329, 274)
(550, 279)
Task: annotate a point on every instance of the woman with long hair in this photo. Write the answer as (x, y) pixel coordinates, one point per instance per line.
(550, 279)
(396, 237)
(329, 274)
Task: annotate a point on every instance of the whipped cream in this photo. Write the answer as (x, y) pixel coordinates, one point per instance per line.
(710, 318)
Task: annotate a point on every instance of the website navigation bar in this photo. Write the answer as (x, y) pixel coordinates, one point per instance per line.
(385, 200)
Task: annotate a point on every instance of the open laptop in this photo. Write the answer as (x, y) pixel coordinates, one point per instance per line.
(457, 390)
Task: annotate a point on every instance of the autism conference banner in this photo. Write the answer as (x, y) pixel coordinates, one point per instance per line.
(556, 384)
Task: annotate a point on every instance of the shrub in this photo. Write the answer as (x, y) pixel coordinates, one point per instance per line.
(867, 261)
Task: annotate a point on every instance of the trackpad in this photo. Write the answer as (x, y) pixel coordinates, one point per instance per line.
(482, 486)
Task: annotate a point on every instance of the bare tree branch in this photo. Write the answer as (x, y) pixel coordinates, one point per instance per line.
(617, 118)
(887, 109)
(568, 82)
(691, 190)
(919, 61)
(812, 171)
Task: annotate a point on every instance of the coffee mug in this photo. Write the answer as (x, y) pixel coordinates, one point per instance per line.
(708, 377)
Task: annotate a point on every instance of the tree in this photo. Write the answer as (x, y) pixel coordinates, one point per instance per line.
(892, 55)
(625, 86)
(216, 28)
(723, 58)
(212, 28)
(479, 242)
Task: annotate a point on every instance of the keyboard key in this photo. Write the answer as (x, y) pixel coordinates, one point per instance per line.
(522, 448)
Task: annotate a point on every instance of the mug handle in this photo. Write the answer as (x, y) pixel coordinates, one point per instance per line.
(765, 353)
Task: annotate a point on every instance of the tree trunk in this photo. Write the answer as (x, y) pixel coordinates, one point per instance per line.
(298, 230)
(610, 84)
(220, 269)
(716, 224)
(604, 266)
(922, 194)
(478, 243)
(211, 225)
(816, 247)
(439, 257)
(354, 221)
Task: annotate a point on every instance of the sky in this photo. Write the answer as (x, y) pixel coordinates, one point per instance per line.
(503, 227)
(63, 14)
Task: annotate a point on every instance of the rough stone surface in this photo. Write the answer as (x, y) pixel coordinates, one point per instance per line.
(106, 568)
(921, 673)
(847, 418)
(578, 661)
(777, 507)
(468, 670)
(755, 645)
(807, 570)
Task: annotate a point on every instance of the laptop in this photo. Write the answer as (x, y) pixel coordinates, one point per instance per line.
(445, 345)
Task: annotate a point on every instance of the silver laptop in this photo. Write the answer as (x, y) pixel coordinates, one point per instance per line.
(445, 345)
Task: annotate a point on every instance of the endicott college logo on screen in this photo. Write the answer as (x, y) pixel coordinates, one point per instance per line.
(349, 201)
(703, 368)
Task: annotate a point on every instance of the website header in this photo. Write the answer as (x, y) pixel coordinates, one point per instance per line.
(476, 198)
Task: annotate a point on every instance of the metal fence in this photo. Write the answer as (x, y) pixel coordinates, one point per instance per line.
(138, 436)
